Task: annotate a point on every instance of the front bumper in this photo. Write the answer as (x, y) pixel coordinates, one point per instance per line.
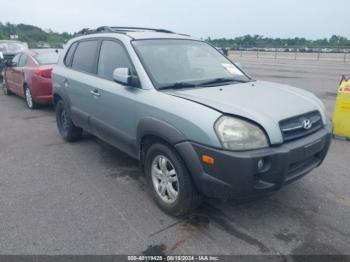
(236, 174)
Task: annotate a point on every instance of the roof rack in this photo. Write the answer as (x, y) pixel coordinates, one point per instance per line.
(119, 29)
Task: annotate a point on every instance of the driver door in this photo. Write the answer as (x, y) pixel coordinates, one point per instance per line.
(114, 115)
(11, 74)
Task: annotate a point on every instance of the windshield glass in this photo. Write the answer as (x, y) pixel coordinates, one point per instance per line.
(47, 58)
(171, 62)
(12, 47)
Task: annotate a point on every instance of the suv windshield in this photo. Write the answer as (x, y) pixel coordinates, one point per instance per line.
(173, 63)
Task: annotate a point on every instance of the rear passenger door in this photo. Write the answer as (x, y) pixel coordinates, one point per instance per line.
(19, 74)
(79, 82)
(114, 114)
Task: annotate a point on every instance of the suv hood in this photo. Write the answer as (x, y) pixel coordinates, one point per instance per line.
(263, 102)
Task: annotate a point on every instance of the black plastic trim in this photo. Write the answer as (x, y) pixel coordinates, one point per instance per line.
(236, 174)
(158, 128)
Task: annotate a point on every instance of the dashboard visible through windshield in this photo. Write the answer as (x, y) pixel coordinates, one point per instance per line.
(186, 63)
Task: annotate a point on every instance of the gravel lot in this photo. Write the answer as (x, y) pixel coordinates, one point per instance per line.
(89, 198)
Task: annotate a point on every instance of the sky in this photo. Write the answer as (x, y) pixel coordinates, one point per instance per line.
(312, 19)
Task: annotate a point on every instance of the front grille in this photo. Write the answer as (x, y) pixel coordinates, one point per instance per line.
(294, 127)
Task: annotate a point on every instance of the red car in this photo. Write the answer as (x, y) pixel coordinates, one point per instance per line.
(28, 75)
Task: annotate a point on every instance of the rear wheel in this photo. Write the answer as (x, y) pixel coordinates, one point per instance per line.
(170, 181)
(29, 98)
(65, 125)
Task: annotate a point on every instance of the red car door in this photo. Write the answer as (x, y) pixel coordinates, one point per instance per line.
(12, 74)
(19, 74)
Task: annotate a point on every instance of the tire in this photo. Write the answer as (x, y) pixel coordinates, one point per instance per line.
(4, 88)
(65, 125)
(174, 193)
(29, 98)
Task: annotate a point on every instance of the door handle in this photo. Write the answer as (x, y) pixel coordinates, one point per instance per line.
(95, 93)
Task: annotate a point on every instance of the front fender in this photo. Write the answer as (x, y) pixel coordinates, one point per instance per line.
(158, 128)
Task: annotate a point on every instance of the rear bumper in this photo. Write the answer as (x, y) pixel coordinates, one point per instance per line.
(236, 174)
(42, 90)
(45, 99)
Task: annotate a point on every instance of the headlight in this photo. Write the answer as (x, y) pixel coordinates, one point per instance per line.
(237, 134)
(324, 109)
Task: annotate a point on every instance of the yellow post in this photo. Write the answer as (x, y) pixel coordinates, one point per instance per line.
(341, 116)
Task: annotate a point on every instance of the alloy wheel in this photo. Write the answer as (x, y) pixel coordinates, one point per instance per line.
(29, 98)
(165, 180)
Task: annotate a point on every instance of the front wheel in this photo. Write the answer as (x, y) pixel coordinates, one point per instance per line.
(170, 181)
(65, 125)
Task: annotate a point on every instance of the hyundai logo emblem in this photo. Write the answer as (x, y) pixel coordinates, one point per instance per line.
(307, 124)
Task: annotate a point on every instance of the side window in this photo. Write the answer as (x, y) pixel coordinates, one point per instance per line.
(112, 55)
(22, 61)
(85, 56)
(15, 60)
(69, 55)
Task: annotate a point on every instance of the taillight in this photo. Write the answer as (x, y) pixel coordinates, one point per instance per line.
(46, 73)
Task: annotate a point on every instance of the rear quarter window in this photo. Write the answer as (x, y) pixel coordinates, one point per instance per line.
(84, 58)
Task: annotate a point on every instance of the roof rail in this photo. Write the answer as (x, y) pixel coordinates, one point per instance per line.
(119, 29)
(130, 28)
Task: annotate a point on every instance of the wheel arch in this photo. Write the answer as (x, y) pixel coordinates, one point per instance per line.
(25, 85)
(56, 98)
(61, 95)
(150, 130)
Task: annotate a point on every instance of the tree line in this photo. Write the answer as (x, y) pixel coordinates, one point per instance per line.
(33, 35)
(267, 42)
(36, 36)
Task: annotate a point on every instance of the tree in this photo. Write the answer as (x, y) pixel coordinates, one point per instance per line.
(33, 35)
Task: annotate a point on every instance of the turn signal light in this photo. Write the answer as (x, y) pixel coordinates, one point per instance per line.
(208, 160)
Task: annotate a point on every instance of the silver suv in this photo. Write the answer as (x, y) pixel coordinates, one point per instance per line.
(198, 124)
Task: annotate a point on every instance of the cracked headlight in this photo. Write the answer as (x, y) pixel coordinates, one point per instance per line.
(238, 134)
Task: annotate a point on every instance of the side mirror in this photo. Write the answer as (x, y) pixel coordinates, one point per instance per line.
(123, 76)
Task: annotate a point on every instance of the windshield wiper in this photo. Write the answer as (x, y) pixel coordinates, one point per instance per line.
(178, 85)
(221, 80)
